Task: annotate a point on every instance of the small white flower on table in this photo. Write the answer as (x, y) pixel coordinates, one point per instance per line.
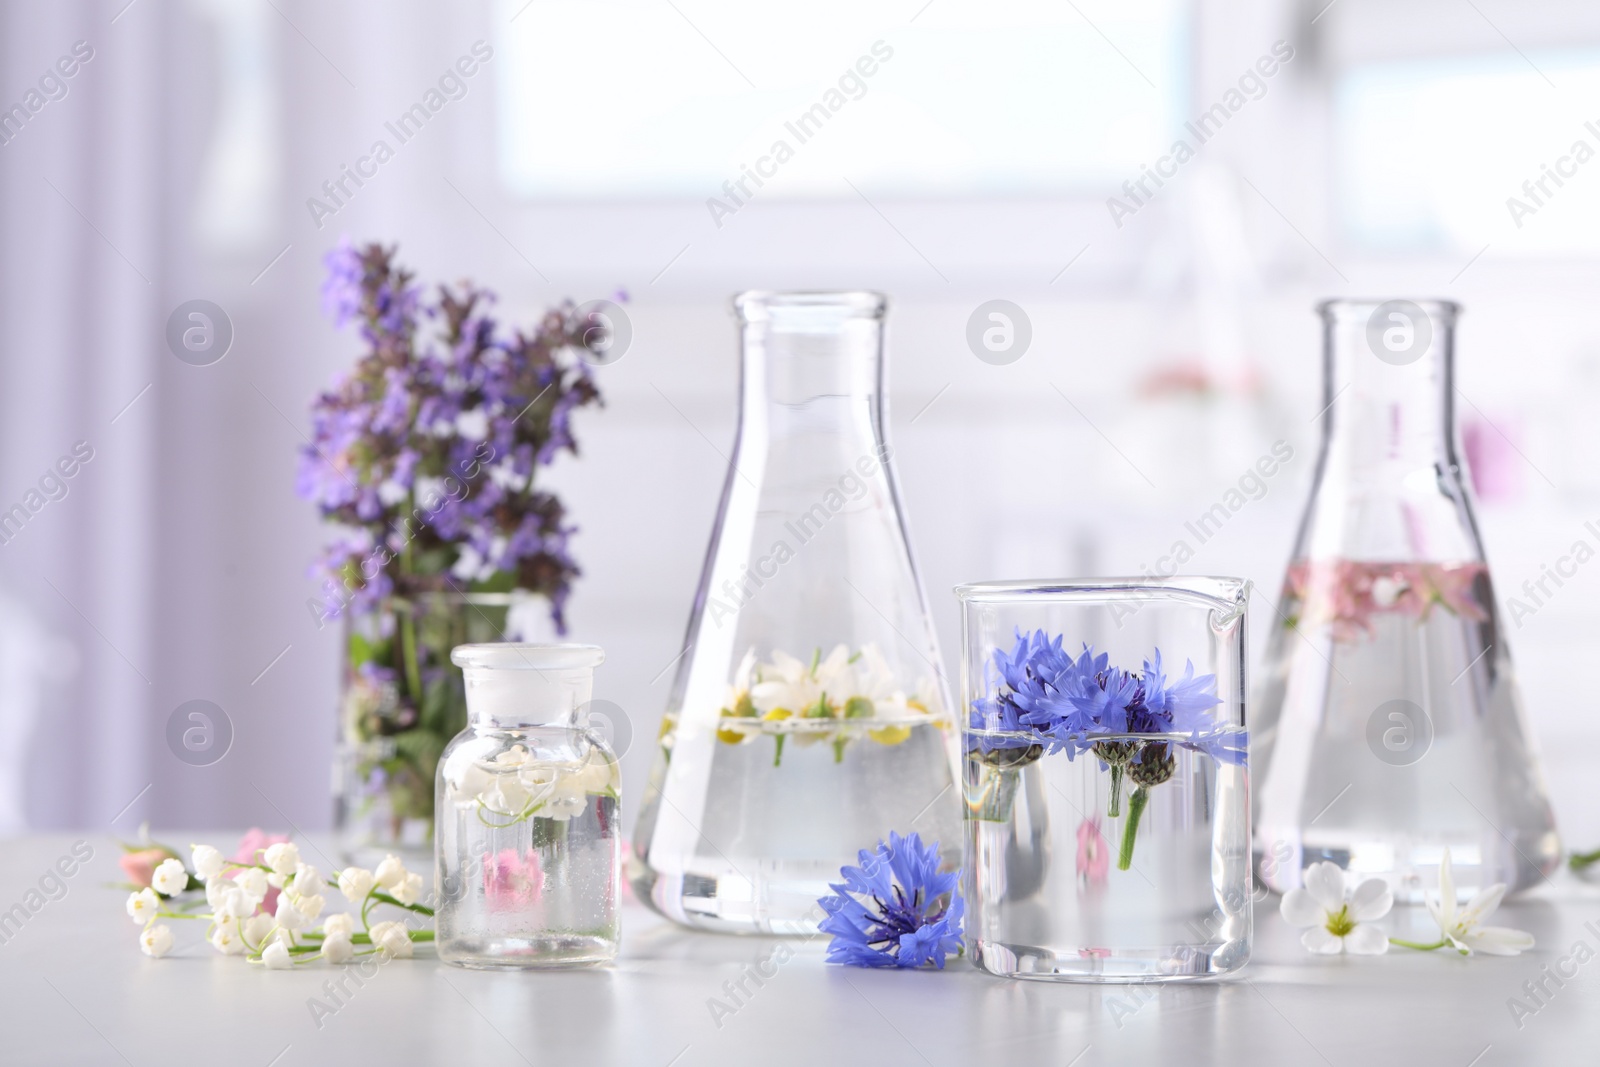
(389, 873)
(276, 957)
(225, 938)
(283, 858)
(392, 938)
(1463, 927)
(207, 862)
(143, 905)
(1339, 915)
(170, 878)
(337, 949)
(340, 925)
(156, 941)
(355, 883)
(253, 881)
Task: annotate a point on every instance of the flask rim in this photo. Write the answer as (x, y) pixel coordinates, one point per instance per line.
(527, 656)
(764, 305)
(1341, 308)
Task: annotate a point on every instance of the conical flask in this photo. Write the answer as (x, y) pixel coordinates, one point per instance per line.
(809, 716)
(1388, 726)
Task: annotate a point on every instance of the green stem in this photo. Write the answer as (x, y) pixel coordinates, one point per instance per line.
(1136, 804)
(408, 621)
(1579, 860)
(1114, 808)
(1417, 946)
(408, 640)
(777, 751)
(385, 898)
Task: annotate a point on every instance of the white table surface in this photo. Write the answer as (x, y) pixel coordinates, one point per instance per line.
(74, 989)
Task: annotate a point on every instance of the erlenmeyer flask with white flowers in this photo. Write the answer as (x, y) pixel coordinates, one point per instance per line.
(808, 718)
(527, 835)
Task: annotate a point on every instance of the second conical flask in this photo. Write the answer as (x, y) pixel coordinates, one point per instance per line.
(809, 715)
(1389, 727)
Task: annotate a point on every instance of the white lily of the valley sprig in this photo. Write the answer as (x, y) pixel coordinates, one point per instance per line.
(1339, 915)
(1462, 928)
(235, 892)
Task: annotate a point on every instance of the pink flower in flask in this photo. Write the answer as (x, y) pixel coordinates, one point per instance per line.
(511, 882)
(1094, 858)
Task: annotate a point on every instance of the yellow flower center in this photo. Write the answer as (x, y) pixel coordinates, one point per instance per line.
(1340, 923)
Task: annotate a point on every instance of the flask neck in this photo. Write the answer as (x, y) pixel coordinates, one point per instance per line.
(517, 686)
(1388, 389)
(812, 368)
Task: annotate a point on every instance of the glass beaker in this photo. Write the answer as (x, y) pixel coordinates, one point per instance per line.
(528, 847)
(1389, 726)
(809, 716)
(1105, 779)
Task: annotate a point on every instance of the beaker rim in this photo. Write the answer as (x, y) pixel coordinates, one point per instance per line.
(1221, 588)
(527, 656)
(760, 305)
(1434, 307)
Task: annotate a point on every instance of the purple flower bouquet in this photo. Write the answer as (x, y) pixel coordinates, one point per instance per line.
(426, 456)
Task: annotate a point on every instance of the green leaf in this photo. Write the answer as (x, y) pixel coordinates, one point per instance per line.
(440, 701)
(498, 582)
(421, 749)
(365, 651)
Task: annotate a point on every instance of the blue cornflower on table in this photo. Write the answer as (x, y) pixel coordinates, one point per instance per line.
(896, 909)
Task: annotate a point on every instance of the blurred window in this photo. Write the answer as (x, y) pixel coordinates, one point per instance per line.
(1432, 153)
(651, 99)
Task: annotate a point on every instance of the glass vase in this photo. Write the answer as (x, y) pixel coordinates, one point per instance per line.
(402, 702)
(1389, 725)
(808, 716)
(528, 854)
(1105, 779)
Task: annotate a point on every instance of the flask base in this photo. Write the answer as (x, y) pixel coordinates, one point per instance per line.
(1185, 963)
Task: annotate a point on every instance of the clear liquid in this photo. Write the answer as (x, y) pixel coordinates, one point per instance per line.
(1047, 898)
(1399, 736)
(538, 892)
(759, 858)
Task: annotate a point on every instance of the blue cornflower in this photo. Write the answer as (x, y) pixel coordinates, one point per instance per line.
(896, 909)
(1042, 695)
